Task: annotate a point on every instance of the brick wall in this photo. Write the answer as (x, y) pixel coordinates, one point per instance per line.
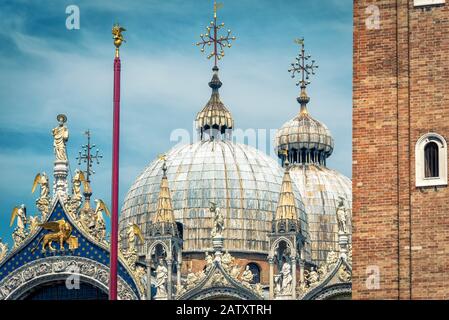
(400, 93)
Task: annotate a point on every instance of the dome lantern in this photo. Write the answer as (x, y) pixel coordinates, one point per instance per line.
(215, 121)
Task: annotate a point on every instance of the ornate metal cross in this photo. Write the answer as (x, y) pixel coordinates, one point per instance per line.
(301, 66)
(86, 156)
(212, 37)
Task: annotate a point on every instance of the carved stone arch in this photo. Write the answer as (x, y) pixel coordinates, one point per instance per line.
(57, 268)
(221, 293)
(276, 243)
(339, 291)
(21, 292)
(153, 245)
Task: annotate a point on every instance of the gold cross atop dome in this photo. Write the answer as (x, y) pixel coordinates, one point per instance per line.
(213, 38)
(305, 69)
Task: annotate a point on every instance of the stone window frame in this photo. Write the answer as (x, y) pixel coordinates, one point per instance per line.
(421, 3)
(421, 180)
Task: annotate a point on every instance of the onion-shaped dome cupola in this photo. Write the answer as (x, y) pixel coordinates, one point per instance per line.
(306, 143)
(214, 120)
(306, 139)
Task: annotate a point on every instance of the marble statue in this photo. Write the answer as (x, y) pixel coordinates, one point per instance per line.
(247, 276)
(191, 280)
(286, 284)
(60, 136)
(161, 279)
(34, 223)
(217, 230)
(209, 260)
(78, 178)
(140, 274)
(227, 260)
(312, 277)
(341, 217)
(100, 226)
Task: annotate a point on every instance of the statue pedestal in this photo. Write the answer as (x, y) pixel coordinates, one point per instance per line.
(283, 297)
(160, 297)
(217, 244)
(60, 184)
(343, 241)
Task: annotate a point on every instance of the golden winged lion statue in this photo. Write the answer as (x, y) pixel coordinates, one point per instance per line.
(61, 233)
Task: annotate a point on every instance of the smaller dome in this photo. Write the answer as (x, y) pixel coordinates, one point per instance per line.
(214, 115)
(303, 139)
(304, 132)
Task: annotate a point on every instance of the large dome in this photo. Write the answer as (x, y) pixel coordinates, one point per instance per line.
(244, 182)
(320, 188)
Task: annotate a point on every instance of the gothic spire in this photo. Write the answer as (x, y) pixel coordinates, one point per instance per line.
(286, 209)
(164, 210)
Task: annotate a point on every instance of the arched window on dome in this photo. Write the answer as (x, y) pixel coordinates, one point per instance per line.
(431, 161)
(254, 267)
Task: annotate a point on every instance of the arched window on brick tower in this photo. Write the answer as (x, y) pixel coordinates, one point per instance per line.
(431, 160)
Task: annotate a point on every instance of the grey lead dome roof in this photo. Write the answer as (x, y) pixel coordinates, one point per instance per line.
(305, 132)
(320, 188)
(243, 181)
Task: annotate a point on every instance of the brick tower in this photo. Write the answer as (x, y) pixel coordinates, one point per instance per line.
(400, 127)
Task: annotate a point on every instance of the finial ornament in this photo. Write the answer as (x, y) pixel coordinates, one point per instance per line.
(118, 37)
(212, 37)
(88, 157)
(305, 68)
(163, 157)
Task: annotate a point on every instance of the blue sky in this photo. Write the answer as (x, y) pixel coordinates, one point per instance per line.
(47, 69)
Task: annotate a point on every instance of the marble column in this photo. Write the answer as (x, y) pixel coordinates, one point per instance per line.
(293, 278)
(148, 263)
(271, 262)
(178, 269)
(169, 279)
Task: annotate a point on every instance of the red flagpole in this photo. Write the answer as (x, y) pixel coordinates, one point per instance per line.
(115, 181)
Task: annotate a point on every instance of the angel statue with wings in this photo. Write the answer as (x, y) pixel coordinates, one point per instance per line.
(20, 233)
(78, 178)
(41, 179)
(43, 202)
(131, 254)
(100, 224)
(133, 231)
